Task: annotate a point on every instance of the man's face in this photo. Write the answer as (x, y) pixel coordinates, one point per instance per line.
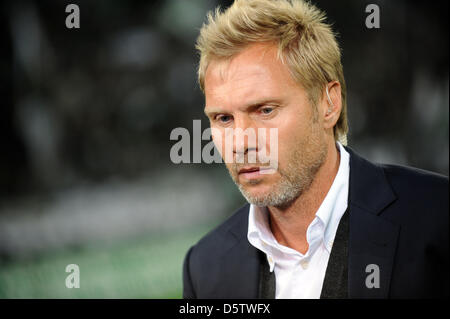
(252, 90)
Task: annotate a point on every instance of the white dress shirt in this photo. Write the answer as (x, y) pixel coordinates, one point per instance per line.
(302, 275)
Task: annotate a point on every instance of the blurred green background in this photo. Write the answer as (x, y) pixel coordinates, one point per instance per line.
(85, 172)
(144, 267)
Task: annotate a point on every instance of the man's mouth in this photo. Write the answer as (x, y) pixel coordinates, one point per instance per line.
(249, 170)
(253, 172)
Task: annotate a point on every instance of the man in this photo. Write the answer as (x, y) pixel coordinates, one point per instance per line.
(323, 223)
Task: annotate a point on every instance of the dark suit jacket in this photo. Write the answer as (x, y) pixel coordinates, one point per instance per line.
(398, 220)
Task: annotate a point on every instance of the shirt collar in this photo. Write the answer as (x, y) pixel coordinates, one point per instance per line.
(335, 203)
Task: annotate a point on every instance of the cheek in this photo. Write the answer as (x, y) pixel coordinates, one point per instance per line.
(223, 144)
(293, 137)
(218, 137)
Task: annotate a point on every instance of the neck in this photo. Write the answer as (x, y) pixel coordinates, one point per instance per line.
(289, 224)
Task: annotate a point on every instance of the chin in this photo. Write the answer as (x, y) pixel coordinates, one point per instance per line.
(255, 192)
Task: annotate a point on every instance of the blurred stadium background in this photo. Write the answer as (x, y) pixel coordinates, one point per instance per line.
(85, 173)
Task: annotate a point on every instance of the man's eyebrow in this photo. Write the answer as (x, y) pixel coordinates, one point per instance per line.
(209, 110)
(212, 110)
(255, 104)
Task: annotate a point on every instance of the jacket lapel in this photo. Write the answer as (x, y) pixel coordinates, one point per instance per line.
(372, 239)
(240, 262)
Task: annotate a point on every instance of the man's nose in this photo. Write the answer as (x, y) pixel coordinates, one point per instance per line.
(245, 136)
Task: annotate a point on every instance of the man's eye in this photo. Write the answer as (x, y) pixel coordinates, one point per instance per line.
(267, 110)
(223, 118)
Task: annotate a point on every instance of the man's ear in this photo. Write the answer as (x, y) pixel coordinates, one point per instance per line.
(331, 104)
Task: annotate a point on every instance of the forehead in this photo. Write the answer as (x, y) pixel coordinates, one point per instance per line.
(254, 72)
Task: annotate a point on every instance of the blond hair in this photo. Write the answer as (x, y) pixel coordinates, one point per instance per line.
(305, 42)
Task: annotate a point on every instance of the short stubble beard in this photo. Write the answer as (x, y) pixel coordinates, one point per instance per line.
(295, 179)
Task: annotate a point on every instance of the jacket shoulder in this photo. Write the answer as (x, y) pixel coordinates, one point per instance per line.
(421, 201)
(216, 239)
(417, 183)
